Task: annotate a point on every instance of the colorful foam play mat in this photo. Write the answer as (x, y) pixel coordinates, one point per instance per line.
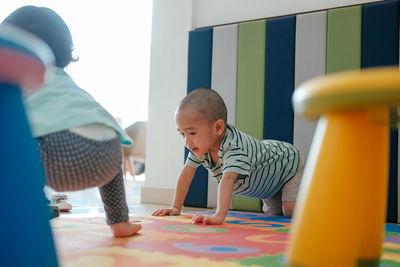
(245, 239)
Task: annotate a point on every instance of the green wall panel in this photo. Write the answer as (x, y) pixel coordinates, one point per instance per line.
(343, 50)
(250, 78)
(250, 91)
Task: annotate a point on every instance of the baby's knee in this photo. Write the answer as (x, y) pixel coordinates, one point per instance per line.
(288, 208)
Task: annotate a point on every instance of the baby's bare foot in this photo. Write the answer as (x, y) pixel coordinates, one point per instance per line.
(125, 229)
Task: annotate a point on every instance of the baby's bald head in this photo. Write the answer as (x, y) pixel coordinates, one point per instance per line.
(206, 102)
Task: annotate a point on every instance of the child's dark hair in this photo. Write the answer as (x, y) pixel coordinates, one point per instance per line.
(208, 102)
(48, 26)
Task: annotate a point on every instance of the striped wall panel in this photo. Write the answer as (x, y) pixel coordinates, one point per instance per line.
(199, 75)
(256, 65)
(343, 51)
(380, 47)
(250, 90)
(279, 78)
(310, 62)
(224, 76)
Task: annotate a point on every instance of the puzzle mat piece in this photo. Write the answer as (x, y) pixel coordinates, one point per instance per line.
(190, 237)
(173, 235)
(118, 256)
(271, 223)
(121, 257)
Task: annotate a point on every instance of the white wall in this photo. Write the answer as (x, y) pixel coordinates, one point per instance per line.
(168, 71)
(172, 19)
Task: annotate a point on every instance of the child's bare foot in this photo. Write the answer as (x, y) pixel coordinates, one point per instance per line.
(125, 229)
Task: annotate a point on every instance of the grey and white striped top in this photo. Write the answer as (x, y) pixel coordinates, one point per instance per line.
(264, 166)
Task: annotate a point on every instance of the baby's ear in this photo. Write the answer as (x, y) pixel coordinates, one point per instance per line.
(220, 126)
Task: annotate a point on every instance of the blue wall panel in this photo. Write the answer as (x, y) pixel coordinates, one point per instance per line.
(279, 78)
(380, 47)
(199, 75)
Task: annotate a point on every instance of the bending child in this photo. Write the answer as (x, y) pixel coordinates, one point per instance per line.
(79, 141)
(266, 169)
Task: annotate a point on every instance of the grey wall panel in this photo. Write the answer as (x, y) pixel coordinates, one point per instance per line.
(224, 66)
(310, 62)
(223, 80)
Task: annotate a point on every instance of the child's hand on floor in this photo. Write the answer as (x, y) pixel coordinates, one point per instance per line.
(170, 211)
(214, 219)
(125, 229)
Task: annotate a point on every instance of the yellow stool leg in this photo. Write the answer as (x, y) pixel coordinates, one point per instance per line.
(377, 184)
(336, 185)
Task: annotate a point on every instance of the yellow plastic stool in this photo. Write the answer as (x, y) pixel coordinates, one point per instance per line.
(340, 214)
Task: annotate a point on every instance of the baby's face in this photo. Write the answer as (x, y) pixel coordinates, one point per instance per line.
(197, 132)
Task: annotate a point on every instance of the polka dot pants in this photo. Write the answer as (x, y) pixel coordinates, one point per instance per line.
(73, 162)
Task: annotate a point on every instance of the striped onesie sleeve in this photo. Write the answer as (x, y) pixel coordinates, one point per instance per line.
(263, 166)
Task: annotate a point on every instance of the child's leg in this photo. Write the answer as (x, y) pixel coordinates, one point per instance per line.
(290, 190)
(283, 202)
(273, 205)
(113, 197)
(73, 162)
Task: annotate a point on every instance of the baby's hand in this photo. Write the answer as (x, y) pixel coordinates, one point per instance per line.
(163, 212)
(125, 229)
(214, 219)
